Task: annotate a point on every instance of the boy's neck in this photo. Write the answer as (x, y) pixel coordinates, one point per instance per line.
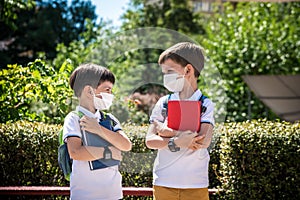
(89, 107)
(188, 91)
(189, 88)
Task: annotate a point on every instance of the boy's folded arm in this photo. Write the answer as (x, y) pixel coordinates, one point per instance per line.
(159, 135)
(154, 141)
(89, 153)
(163, 130)
(79, 152)
(116, 153)
(205, 135)
(118, 139)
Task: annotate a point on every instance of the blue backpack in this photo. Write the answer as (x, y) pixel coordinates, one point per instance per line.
(64, 159)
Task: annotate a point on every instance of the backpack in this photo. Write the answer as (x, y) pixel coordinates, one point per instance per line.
(64, 159)
(164, 111)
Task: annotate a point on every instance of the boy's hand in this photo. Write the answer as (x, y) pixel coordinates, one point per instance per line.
(116, 153)
(89, 124)
(162, 129)
(197, 142)
(185, 139)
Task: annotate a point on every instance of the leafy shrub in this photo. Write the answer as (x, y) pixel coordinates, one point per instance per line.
(35, 92)
(29, 154)
(249, 160)
(260, 160)
(137, 164)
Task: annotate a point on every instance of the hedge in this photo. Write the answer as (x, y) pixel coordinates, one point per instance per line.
(260, 160)
(249, 160)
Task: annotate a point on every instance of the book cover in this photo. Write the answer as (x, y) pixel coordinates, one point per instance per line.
(184, 115)
(91, 139)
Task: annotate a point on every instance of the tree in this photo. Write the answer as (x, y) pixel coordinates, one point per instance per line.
(9, 11)
(253, 39)
(175, 14)
(42, 27)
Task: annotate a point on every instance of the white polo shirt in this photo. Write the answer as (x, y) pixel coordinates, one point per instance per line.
(101, 184)
(185, 168)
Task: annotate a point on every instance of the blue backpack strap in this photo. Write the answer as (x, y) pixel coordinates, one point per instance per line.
(107, 121)
(203, 108)
(103, 115)
(164, 111)
(112, 121)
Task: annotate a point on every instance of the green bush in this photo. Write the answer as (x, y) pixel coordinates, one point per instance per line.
(249, 160)
(29, 154)
(35, 92)
(260, 160)
(136, 166)
(32, 149)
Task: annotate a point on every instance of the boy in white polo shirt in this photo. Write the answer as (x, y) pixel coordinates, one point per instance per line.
(95, 173)
(180, 169)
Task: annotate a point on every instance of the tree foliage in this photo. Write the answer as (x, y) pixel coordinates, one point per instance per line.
(42, 27)
(9, 11)
(175, 14)
(253, 39)
(35, 92)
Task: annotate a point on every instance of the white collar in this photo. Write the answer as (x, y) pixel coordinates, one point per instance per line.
(88, 113)
(195, 97)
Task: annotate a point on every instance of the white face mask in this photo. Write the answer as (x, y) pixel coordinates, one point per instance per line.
(105, 102)
(174, 82)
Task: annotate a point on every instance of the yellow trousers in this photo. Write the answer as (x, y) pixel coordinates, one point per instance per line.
(165, 193)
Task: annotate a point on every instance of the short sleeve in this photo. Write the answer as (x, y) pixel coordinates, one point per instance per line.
(208, 115)
(156, 113)
(71, 126)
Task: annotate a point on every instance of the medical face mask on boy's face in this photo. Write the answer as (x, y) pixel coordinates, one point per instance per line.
(174, 82)
(103, 103)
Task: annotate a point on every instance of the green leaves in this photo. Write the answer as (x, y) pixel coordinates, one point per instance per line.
(31, 148)
(252, 39)
(249, 160)
(35, 92)
(257, 158)
(33, 27)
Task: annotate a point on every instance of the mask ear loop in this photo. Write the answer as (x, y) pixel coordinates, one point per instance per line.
(180, 76)
(93, 93)
(99, 95)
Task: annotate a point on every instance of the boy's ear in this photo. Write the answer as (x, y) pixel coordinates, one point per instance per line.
(188, 69)
(87, 90)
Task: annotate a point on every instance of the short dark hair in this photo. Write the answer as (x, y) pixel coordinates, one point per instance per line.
(185, 53)
(89, 74)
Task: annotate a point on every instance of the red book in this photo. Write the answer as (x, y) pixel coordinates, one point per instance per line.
(184, 115)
